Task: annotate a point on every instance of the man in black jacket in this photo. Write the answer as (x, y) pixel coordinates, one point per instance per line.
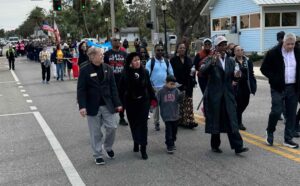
(281, 66)
(98, 98)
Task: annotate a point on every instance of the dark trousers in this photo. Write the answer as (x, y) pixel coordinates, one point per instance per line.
(11, 63)
(171, 132)
(137, 115)
(242, 101)
(297, 125)
(235, 140)
(45, 71)
(288, 99)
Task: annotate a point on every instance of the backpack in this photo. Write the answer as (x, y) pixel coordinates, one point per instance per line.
(153, 63)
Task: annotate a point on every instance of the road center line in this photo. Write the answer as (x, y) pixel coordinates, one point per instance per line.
(15, 114)
(64, 160)
(14, 75)
(260, 142)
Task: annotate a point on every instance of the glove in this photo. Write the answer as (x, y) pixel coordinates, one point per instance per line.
(153, 103)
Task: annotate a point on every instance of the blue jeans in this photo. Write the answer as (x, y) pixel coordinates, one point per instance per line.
(60, 70)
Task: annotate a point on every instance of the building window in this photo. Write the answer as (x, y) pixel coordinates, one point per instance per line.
(289, 19)
(244, 21)
(254, 20)
(272, 19)
(225, 23)
(216, 25)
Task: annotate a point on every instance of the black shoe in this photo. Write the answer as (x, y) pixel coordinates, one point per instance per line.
(269, 138)
(216, 150)
(110, 154)
(290, 144)
(136, 147)
(170, 150)
(239, 151)
(57, 78)
(296, 135)
(143, 152)
(123, 122)
(157, 128)
(174, 147)
(192, 125)
(242, 127)
(99, 161)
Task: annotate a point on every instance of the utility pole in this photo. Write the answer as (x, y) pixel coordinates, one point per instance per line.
(153, 20)
(113, 19)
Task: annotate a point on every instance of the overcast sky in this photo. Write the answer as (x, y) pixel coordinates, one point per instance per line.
(14, 12)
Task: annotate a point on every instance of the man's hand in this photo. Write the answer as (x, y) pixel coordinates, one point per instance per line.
(82, 112)
(119, 109)
(234, 83)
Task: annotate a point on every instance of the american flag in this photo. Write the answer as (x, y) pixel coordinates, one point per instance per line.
(56, 32)
(48, 28)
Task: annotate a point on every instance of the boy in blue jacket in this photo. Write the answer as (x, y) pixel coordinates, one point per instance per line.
(169, 98)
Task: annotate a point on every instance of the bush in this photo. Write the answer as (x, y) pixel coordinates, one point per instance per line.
(255, 57)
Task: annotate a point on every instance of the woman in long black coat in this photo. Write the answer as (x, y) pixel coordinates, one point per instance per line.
(245, 86)
(137, 94)
(219, 100)
(182, 67)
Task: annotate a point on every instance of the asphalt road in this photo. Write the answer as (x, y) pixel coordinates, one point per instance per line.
(44, 141)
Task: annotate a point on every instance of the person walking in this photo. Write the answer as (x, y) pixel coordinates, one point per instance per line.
(59, 63)
(159, 68)
(184, 72)
(144, 55)
(200, 59)
(82, 48)
(137, 94)
(98, 99)
(219, 103)
(169, 98)
(116, 59)
(45, 64)
(245, 85)
(281, 66)
(126, 44)
(10, 55)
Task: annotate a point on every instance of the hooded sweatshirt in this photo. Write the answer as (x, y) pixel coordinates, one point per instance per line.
(168, 100)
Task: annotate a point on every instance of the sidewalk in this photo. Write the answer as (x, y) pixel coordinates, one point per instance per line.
(258, 73)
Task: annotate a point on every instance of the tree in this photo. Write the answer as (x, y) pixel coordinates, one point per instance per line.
(186, 14)
(2, 33)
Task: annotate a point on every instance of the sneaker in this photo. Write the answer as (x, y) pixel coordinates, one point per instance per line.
(99, 161)
(47, 82)
(174, 147)
(269, 138)
(110, 154)
(216, 150)
(157, 128)
(170, 150)
(290, 144)
(239, 151)
(123, 122)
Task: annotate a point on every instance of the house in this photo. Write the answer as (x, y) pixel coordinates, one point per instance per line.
(129, 33)
(253, 24)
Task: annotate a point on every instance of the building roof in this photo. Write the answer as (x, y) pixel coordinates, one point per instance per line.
(130, 30)
(210, 3)
(276, 2)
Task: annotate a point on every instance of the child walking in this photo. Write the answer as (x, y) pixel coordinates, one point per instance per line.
(169, 98)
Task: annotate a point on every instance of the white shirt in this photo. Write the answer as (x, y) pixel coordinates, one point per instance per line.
(223, 61)
(290, 66)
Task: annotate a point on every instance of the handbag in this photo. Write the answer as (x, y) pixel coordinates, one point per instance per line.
(47, 63)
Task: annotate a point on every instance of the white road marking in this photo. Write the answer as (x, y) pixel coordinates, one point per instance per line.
(3, 82)
(23, 90)
(16, 114)
(1, 95)
(18, 83)
(20, 86)
(14, 75)
(33, 108)
(63, 158)
(25, 95)
(29, 101)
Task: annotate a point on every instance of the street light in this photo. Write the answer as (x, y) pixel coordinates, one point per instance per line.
(106, 20)
(164, 8)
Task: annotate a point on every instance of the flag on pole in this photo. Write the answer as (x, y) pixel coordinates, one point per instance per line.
(56, 32)
(47, 28)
